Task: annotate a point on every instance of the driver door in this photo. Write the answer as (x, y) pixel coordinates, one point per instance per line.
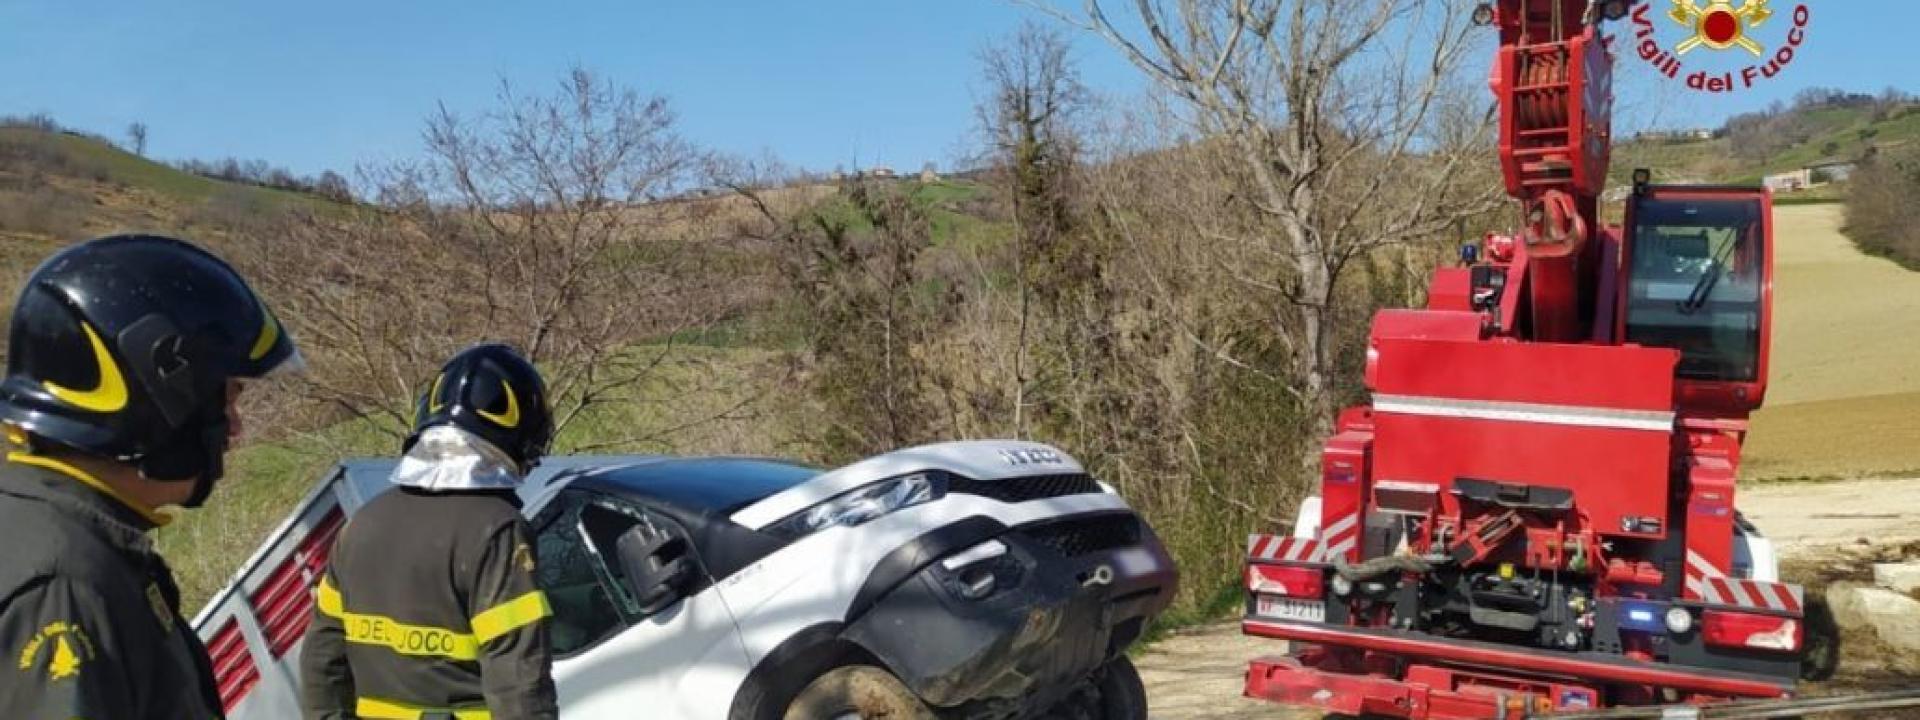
(613, 659)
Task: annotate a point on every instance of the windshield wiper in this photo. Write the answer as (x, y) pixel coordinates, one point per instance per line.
(1704, 287)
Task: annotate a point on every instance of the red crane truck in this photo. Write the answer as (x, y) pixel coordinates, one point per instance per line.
(1535, 513)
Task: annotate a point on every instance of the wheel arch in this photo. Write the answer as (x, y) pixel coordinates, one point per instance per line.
(787, 669)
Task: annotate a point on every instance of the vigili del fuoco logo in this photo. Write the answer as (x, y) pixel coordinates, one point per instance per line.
(1715, 46)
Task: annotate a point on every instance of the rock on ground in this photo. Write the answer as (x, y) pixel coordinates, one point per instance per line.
(1894, 617)
(1898, 577)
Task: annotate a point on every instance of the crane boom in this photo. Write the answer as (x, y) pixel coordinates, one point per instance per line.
(1552, 79)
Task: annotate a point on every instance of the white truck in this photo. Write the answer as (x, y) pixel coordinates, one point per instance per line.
(984, 579)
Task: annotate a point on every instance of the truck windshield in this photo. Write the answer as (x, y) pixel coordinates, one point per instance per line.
(1695, 283)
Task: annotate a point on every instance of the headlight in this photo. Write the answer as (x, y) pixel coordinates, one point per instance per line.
(862, 504)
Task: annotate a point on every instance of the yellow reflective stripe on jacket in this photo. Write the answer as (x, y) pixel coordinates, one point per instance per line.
(405, 639)
(328, 599)
(510, 616)
(386, 632)
(378, 709)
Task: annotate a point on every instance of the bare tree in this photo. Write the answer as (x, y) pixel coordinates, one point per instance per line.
(1034, 97)
(1324, 114)
(332, 186)
(527, 224)
(137, 136)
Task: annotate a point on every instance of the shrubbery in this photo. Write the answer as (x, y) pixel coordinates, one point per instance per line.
(1883, 217)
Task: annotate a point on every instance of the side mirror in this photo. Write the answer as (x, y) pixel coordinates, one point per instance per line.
(655, 566)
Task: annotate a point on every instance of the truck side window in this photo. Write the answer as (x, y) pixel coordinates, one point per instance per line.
(571, 574)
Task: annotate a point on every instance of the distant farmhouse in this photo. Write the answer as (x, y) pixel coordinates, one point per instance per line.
(1813, 175)
(1671, 136)
(882, 172)
(1832, 170)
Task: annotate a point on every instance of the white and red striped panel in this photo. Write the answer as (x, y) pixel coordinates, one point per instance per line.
(1342, 537)
(1707, 583)
(1278, 548)
(1337, 540)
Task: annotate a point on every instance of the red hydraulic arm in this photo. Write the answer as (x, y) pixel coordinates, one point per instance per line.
(1553, 82)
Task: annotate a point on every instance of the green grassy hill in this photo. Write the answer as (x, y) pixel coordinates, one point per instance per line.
(58, 187)
(1805, 136)
(94, 159)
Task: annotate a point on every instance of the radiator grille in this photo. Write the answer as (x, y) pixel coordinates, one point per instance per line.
(1080, 536)
(1023, 489)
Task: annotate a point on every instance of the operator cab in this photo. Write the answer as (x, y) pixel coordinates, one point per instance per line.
(1699, 272)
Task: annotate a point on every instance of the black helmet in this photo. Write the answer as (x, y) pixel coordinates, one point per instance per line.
(122, 346)
(492, 392)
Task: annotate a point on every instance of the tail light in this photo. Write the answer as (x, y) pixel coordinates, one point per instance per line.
(1749, 631)
(1295, 582)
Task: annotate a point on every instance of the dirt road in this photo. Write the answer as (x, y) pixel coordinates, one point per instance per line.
(1801, 517)
(1198, 674)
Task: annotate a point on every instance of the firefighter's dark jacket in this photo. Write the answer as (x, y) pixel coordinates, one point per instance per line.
(429, 609)
(90, 626)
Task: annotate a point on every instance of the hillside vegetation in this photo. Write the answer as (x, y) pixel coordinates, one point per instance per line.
(1821, 125)
(1882, 215)
(697, 394)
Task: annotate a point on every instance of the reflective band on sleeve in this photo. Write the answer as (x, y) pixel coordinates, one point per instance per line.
(510, 616)
(378, 709)
(328, 599)
(407, 639)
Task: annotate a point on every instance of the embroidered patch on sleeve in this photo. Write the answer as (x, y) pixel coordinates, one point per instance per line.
(62, 647)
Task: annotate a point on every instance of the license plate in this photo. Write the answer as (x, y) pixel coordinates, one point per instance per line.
(1277, 607)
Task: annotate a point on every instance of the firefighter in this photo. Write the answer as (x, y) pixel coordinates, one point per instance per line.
(127, 355)
(428, 607)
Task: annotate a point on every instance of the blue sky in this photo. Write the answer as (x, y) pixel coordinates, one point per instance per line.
(317, 85)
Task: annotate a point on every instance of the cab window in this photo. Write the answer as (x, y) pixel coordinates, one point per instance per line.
(1697, 267)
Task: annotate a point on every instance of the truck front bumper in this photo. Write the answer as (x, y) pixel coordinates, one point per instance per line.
(1309, 678)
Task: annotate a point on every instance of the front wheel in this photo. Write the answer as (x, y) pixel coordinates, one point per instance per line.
(1122, 695)
(1115, 693)
(857, 692)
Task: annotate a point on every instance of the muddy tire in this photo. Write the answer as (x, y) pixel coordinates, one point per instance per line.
(1113, 693)
(1822, 638)
(857, 691)
(1122, 695)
